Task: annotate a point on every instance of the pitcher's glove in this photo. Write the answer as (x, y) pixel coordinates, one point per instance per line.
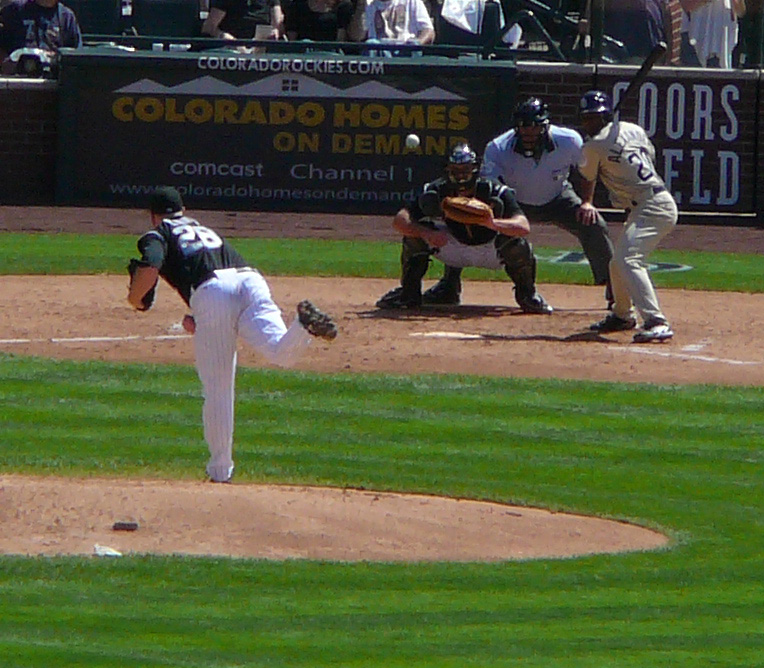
(148, 299)
(467, 211)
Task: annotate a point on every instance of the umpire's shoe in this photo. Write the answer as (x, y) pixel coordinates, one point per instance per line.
(397, 299)
(613, 323)
(534, 304)
(442, 293)
(316, 323)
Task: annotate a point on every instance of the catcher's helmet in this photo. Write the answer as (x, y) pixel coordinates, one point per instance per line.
(534, 111)
(462, 168)
(596, 102)
(462, 154)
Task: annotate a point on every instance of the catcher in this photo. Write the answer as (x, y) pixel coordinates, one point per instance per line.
(464, 220)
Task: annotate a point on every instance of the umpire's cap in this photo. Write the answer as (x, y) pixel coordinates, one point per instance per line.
(534, 111)
(166, 199)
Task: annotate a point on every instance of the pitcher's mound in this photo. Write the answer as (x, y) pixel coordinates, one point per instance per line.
(51, 516)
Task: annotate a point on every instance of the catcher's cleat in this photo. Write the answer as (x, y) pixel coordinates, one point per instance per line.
(442, 293)
(613, 323)
(653, 331)
(316, 322)
(396, 299)
(535, 304)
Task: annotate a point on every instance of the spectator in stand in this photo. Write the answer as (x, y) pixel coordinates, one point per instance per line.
(638, 24)
(38, 24)
(395, 22)
(238, 19)
(318, 20)
(474, 18)
(711, 28)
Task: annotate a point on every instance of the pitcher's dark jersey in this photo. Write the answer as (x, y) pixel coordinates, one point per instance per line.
(500, 197)
(186, 253)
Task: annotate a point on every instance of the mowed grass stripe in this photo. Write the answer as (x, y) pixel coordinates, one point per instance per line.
(108, 253)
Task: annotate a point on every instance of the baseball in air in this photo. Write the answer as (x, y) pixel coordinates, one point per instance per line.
(412, 141)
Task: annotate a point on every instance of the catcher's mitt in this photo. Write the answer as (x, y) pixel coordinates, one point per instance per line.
(468, 211)
(150, 296)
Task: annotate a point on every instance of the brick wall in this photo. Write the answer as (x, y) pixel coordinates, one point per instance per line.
(28, 123)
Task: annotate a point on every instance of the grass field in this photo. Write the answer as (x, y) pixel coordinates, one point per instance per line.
(685, 460)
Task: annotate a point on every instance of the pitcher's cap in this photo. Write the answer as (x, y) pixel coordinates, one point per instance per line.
(166, 199)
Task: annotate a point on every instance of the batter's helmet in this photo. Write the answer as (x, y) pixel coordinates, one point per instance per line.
(596, 102)
(534, 111)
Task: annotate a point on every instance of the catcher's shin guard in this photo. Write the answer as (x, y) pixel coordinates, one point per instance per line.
(415, 259)
(516, 254)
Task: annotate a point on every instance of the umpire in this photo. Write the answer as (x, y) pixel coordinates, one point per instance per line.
(535, 159)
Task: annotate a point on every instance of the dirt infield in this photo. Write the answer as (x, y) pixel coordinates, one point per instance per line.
(719, 337)
(719, 340)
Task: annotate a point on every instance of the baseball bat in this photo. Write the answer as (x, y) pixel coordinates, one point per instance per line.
(656, 54)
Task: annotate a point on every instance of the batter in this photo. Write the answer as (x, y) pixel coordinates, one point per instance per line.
(623, 157)
(227, 298)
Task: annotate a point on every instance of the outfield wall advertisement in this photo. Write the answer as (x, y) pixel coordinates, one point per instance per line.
(702, 130)
(311, 132)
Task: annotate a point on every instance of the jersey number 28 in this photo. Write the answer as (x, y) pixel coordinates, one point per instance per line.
(193, 238)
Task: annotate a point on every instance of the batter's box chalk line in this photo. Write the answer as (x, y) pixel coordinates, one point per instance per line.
(97, 339)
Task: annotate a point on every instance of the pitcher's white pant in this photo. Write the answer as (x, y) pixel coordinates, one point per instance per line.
(644, 228)
(235, 302)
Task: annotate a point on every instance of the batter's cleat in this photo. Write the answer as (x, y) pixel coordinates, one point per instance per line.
(396, 299)
(653, 331)
(614, 323)
(316, 322)
(442, 293)
(535, 304)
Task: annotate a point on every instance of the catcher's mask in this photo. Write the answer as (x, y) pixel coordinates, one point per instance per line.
(462, 168)
(595, 111)
(531, 121)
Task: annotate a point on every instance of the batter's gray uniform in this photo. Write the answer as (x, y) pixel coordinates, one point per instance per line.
(543, 190)
(623, 157)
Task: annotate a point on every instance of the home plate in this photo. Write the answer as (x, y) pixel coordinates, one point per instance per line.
(446, 335)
